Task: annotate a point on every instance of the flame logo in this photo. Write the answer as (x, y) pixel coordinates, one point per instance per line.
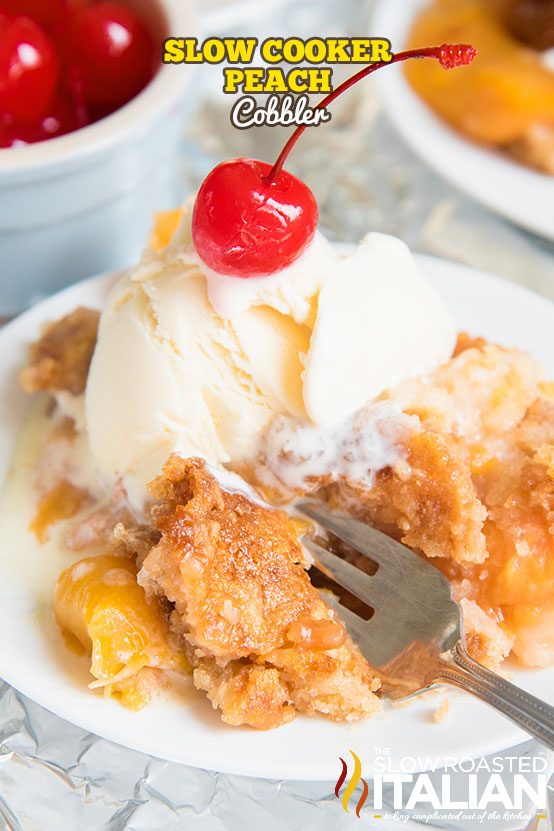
(355, 779)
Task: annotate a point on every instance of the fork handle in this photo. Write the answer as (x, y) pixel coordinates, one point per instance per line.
(532, 715)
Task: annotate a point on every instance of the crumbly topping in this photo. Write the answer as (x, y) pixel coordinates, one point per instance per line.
(235, 572)
(477, 495)
(59, 360)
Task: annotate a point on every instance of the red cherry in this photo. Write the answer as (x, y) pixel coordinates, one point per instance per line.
(115, 52)
(245, 226)
(59, 119)
(43, 12)
(251, 219)
(28, 69)
(73, 83)
(6, 133)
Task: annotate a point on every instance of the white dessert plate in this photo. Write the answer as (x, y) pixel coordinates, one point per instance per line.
(184, 728)
(518, 193)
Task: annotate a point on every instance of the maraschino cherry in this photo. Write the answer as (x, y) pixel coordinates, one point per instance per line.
(46, 13)
(245, 225)
(67, 63)
(28, 69)
(252, 219)
(115, 53)
(58, 120)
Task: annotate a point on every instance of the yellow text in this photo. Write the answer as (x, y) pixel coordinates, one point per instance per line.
(274, 79)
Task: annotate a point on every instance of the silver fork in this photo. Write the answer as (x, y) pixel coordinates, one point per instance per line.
(415, 637)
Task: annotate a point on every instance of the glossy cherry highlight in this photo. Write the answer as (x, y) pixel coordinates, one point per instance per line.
(28, 69)
(58, 120)
(115, 52)
(253, 220)
(244, 225)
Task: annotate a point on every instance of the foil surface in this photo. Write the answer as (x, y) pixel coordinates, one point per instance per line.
(56, 777)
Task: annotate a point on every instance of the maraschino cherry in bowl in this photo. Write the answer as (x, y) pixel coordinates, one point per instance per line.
(80, 203)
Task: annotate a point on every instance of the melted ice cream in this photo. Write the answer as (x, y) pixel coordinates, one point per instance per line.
(372, 439)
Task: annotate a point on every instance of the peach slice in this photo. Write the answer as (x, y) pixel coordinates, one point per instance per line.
(502, 94)
(99, 602)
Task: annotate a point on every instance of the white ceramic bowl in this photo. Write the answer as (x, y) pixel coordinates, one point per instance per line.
(80, 204)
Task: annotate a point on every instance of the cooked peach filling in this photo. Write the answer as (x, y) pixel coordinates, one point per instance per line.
(504, 94)
(315, 634)
(477, 495)
(165, 225)
(62, 502)
(100, 604)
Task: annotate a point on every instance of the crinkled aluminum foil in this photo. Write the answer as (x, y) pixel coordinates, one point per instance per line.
(55, 776)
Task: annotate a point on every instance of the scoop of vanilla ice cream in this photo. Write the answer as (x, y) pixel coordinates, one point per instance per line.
(201, 364)
(292, 292)
(378, 321)
(170, 374)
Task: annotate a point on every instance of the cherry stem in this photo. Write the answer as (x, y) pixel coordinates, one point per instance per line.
(448, 55)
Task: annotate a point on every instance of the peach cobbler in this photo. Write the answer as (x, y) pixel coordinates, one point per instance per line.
(505, 99)
(182, 427)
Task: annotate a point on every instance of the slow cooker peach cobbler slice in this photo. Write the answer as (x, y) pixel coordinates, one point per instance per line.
(218, 581)
(262, 642)
(505, 99)
(245, 361)
(473, 491)
(213, 581)
(210, 581)
(476, 494)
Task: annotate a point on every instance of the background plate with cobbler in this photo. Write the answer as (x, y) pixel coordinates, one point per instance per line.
(182, 727)
(518, 193)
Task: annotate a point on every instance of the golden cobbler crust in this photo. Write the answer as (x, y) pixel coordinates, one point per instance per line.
(235, 572)
(477, 495)
(59, 360)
